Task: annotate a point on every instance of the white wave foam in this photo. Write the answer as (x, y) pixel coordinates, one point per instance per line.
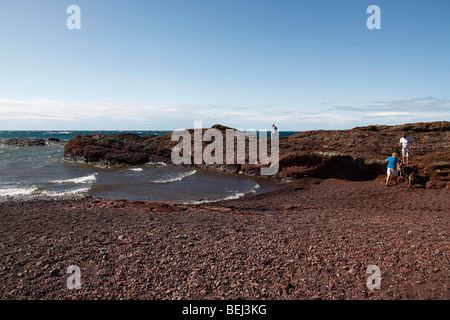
(233, 196)
(87, 179)
(34, 191)
(136, 169)
(157, 163)
(16, 192)
(72, 192)
(178, 177)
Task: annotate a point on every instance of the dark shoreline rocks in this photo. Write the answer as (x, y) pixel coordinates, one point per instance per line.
(31, 142)
(355, 154)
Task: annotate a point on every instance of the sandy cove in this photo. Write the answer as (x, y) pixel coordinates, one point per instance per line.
(313, 239)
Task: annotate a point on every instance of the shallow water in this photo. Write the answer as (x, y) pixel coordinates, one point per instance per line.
(30, 172)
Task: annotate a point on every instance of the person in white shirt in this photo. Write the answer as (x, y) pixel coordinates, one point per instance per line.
(274, 134)
(406, 144)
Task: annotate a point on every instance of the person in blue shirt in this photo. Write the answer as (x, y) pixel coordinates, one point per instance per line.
(392, 170)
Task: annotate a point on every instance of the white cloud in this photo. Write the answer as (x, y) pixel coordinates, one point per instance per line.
(389, 114)
(400, 111)
(413, 106)
(16, 114)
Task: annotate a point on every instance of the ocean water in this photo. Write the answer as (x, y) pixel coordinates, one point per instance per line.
(41, 172)
(68, 134)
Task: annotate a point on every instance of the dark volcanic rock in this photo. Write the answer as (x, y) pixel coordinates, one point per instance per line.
(355, 154)
(22, 142)
(121, 149)
(54, 142)
(373, 144)
(30, 142)
(328, 165)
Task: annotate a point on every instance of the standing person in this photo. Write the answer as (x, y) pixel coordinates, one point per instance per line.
(406, 144)
(392, 168)
(274, 132)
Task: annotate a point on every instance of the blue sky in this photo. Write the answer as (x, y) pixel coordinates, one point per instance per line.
(243, 63)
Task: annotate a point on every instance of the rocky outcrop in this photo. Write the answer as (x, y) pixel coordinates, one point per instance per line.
(370, 146)
(30, 142)
(356, 154)
(121, 149)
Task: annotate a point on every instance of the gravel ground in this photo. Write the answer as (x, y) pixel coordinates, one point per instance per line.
(313, 239)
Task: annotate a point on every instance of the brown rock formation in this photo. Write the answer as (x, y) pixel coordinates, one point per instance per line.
(121, 149)
(369, 146)
(356, 154)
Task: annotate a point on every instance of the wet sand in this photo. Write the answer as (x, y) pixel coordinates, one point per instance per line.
(313, 239)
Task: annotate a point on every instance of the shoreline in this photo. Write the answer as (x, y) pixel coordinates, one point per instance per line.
(312, 239)
(319, 153)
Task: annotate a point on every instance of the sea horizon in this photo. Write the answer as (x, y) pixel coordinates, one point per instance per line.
(66, 135)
